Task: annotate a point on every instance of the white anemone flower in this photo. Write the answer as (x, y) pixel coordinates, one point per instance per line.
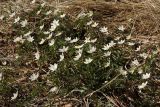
(37, 55)
(95, 24)
(107, 54)
(146, 76)
(33, 1)
(79, 46)
(59, 33)
(4, 62)
(74, 40)
(48, 12)
(121, 42)
(88, 60)
(41, 27)
(89, 23)
(107, 64)
(106, 47)
(131, 43)
(121, 28)
(17, 20)
(42, 41)
(53, 28)
(135, 62)
(79, 51)
(67, 39)
(53, 67)
(111, 44)
(123, 72)
(138, 48)
(30, 38)
(104, 30)
(93, 40)
(54, 25)
(90, 13)
(49, 36)
(77, 57)
(38, 12)
(140, 70)
(61, 57)
(92, 49)
(55, 22)
(54, 89)
(143, 85)
(12, 14)
(27, 34)
(62, 16)
(51, 42)
(18, 39)
(1, 17)
(117, 38)
(17, 56)
(15, 95)
(43, 4)
(24, 23)
(82, 14)
(143, 55)
(34, 76)
(1, 75)
(63, 49)
(46, 32)
(87, 40)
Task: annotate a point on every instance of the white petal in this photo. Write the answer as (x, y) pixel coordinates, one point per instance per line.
(87, 61)
(51, 42)
(34, 76)
(30, 38)
(121, 28)
(64, 49)
(61, 57)
(42, 41)
(1, 76)
(33, 1)
(67, 38)
(94, 24)
(146, 76)
(15, 95)
(142, 85)
(12, 15)
(54, 89)
(49, 12)
(77, 57)
(41, 27)
(53, 67)
(37, 55)
(62, 16)
(2, 17)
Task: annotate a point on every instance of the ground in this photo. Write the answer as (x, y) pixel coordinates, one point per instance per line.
(143, 15)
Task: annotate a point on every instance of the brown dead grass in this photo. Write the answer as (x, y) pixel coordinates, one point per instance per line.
(145, 15)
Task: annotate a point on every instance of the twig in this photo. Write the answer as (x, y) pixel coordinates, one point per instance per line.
(90, 94)
(110, 99)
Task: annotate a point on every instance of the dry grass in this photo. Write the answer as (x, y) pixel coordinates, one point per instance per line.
(144, 15)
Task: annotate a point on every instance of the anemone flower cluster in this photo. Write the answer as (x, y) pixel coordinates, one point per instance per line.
(72, 49)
